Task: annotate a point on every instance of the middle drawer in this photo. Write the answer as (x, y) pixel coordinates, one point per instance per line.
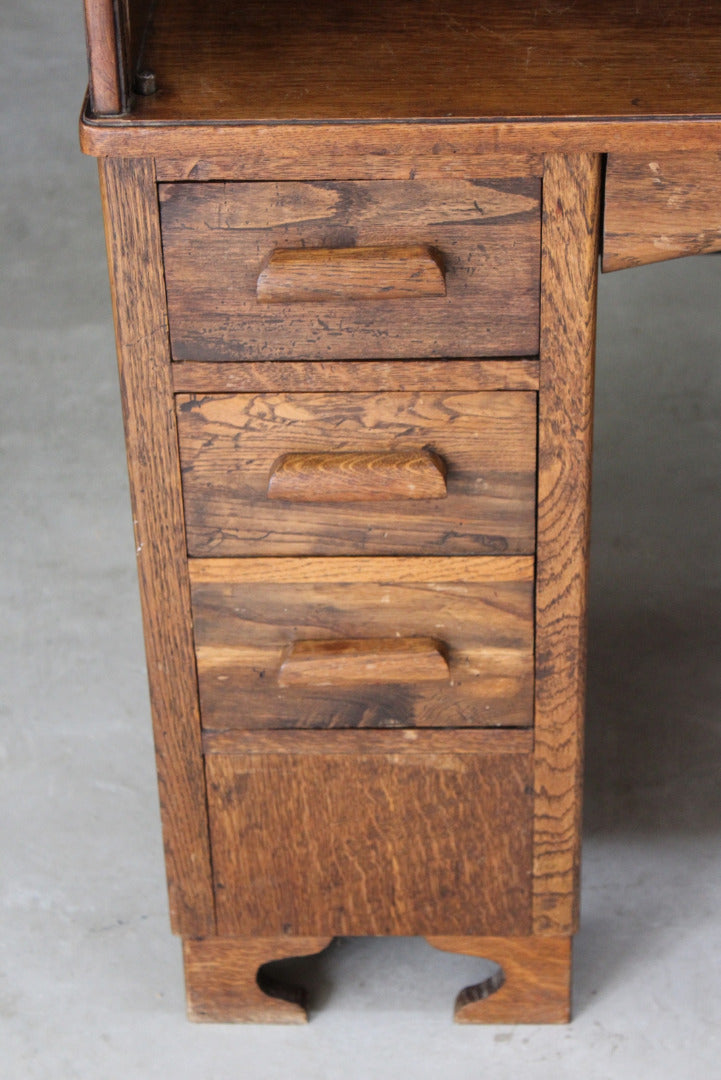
(406, 473)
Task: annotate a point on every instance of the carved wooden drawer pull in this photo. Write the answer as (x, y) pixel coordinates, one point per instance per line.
(369, 660)
(358, 476)
(297, 275)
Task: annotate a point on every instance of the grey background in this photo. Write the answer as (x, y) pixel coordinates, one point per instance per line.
(90, 978)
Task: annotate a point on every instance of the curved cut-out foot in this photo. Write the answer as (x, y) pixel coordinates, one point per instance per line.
(533, 985)
(223, 983)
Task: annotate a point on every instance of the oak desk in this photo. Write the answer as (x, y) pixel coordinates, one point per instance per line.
(353, 251)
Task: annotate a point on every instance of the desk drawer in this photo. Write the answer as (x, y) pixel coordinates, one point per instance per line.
(373, 833)
(346, 270)
(351, 473)
(385, 642)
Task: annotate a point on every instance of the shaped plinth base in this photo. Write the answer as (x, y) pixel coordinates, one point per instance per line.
(532, 987)
(223, 985)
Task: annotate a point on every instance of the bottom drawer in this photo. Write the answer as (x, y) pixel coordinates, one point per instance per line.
(365, 833)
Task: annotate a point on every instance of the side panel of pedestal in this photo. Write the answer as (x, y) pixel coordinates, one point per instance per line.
(571, 224)
(134, 254)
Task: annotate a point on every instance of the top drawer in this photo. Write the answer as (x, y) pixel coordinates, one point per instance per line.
(377, 269)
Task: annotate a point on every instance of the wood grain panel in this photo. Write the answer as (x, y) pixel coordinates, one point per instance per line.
(482, 569)
(217, 238)
(572, 189)
(243, 629)
(264, 60)
(404, 375)
(318, 151)
(371, 844)
(349, 741)
(229, 445)
(133, 239)
(406, 161)
(660, 206)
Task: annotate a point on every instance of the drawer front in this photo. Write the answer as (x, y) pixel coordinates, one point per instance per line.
(376, 643)
(352, 270)
(339, 474)
(368, 840)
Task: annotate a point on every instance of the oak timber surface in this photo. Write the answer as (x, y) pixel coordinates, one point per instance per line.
(537, 980)
(230, 444)
(441, 59)
(223, 982)
(660, 206)
(221, 240)
(571, 230)
(284, 376)
(478, 610)
(133, 238)
(371, 844)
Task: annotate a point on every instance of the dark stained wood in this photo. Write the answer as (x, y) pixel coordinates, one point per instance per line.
(358, 477)
(571, 223)
(223, 985)
(410, 158)
(372, 843)
(248, 613)
(229, 444)
(393, 272)
(365, 660)
(135, 17)
(218, 237)
(535, 980)
(405, 741)
(660, 206)
(318, 151)
(392, 204)
(106, 87)
(264, 59)
(133, 239)
(115, 32)
(408, 375)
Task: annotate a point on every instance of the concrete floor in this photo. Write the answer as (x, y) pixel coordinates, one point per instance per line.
(90, 978)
